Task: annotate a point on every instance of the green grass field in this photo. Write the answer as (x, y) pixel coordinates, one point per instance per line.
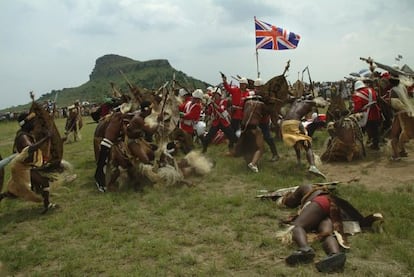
(216, 228)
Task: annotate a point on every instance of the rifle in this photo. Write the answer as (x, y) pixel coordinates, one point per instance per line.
(217, 109)
(390, 69)
(265, 194)
(181, 86)
(369, 60)
(235, 78)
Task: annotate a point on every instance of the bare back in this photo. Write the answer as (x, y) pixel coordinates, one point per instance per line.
(299, 109)
(253, 112)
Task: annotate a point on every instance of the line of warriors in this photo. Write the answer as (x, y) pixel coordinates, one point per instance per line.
(159, 126)
(143, 134)
(245, 114)
(162, 125)
(146, 130)
(380, 109)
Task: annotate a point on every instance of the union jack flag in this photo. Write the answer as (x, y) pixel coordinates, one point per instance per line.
(274, 38)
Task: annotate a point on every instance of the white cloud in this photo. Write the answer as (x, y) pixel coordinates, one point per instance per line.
(50, 45)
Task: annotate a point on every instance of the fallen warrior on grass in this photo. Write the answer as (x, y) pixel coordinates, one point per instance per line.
(322, 212)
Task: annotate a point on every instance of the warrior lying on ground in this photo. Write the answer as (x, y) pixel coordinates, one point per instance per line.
(325, 213)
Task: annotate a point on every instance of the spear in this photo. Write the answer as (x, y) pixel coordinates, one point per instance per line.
(163, 108)
(7, 160)
(286, 67)
(56, 96)
(173, 82)
(310, 80)
(126, 79)
(134, 91)
(115, 91)
(165, 97)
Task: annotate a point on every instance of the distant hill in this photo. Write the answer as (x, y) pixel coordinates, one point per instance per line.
(150, 74)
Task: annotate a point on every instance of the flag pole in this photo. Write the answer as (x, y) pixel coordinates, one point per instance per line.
(257, 53)
(257, 64)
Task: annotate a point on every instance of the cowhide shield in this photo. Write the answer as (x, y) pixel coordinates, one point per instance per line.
(171, 116)
(278, 89)
(382, 86)
(346, 140)
(43, 123)
(298, 88)
(336, 109)
(74, 121)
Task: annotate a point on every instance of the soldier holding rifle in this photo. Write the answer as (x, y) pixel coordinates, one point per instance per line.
(220, 117)
(237, 96)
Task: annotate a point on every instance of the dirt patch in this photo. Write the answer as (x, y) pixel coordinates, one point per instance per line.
(375, 171)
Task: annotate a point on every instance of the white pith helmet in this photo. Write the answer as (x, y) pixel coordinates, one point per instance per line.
(258, 82)
(198, 93)
(359, 84)
(243, 80)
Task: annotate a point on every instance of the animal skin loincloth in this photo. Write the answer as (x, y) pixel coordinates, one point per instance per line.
(19, 183)
(291, 133)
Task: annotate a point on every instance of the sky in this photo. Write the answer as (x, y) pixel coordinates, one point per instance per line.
(50, 45)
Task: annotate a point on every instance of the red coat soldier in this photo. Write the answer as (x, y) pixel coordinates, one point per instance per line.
(364, 100)
(217, 109)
